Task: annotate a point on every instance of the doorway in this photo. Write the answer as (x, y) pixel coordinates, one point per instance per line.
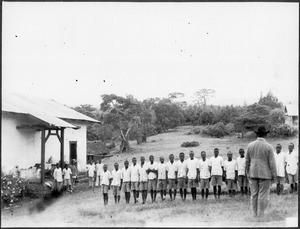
(73, 151)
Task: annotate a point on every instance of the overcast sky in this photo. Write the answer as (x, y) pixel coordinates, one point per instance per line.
(74, 52)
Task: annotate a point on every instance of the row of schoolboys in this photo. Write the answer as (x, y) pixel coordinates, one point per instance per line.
(65, 177)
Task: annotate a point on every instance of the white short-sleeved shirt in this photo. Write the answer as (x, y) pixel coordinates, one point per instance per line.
(280, 160)
(204, 168)
(291, 162)
(192, 166)
(182, 168)
(99, 169)
(171, 168)
(241, 164)
(143, 172)
(216, 165)
(230, 167)
(91, 170)
(67, 173)
(105, 178)
(161, 170)
(126, 174)
(58, 175)
(117, 176)
(134, 176)
(152, 175)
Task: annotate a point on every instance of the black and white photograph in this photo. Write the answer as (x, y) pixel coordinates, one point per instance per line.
(149, 114)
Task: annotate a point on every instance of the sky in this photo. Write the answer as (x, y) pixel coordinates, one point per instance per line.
(73, 52)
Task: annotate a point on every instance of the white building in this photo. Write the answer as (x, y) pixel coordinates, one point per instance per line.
(291, 114)
(33, 129)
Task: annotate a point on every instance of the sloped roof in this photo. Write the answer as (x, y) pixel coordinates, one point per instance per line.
(46, 110)
(292, 110)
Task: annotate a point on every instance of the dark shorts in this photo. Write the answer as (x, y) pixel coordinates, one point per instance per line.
(243, 181)
(126, 186)
(216, 180)
(105, 188)
(143, 185)
(192, 183)
(172, 184)
(231, 185)
(116, 190)
(162, 184)
(134, 185)
(152, 184)
(204, 183)
(181, 183)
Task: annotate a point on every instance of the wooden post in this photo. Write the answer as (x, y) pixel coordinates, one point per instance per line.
(43, 143)
(62, 140)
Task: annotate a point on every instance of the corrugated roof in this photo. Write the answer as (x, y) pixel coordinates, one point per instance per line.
(48, 111)
(292, 110)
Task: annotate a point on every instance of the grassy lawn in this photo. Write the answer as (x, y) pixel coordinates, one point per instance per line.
(85, 207)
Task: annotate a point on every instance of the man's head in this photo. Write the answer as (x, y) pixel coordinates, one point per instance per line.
(57, 165)
(151, 158)
(242, 152)
(216, 152)
(116, 166)
(203, 155)
(126, 163)
(171, 157)
(229, 155)
(181, 156)
(99, 160)
(66, 166)
(142, 160)
(105, 167)
(162, 159)
(261, 132)
(278, 148)
(192, 154)
(134, 161)
(291, 147)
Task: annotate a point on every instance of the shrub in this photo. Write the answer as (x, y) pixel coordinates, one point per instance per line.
(190, 144)
(218, 130)
(283, 130)
(229, 128)
(12, 189)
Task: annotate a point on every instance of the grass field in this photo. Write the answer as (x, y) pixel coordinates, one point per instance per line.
(85, 206)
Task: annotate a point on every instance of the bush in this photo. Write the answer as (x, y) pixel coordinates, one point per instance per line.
(218, 130)
(12, 189)
(283, 130)
(190, 144)
(229, 128)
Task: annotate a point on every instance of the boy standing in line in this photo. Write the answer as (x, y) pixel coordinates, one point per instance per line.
(74, 171)
(280, 158)
(292, 168)
(182, 178)
(205, 170)
(99, 171)
(117, 179)
(90, 173)
(216, 172)
(152, 177)
(162, 174)
(171, 175)
(126, 181)
(57, 174)
(106, 182)
(134, 179)
(67, 178)
(193, 174)
(241, 165)
(143, 179)
(230, 174)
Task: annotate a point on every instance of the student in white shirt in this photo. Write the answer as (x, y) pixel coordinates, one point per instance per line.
(162, 182)
(67, 178)
(117, 179)
(292, 168)
(241, 165)
(99, 171)
(57, 174)
(231, 174)
(193, 174)
(216, 172)
(280, 159)
(172, 172)
(152, 177)
(182, 177)
(90, 173)
(134, 179)
(205, 170)
(143, 179)
(126, 181)
(106, 182)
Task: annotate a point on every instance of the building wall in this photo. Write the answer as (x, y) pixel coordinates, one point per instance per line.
(23, 146)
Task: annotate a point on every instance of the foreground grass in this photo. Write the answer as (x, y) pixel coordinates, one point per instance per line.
(86, 209)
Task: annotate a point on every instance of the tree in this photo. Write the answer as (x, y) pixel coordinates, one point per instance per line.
(123, 114)
(175, 95)
(270, 100)
(87, 110)
(203, 95)
(276, 117)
